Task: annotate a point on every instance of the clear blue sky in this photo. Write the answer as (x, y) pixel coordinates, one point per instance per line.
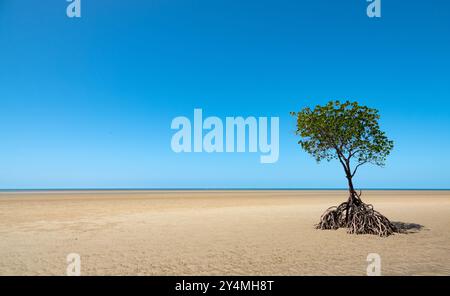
(88, 102)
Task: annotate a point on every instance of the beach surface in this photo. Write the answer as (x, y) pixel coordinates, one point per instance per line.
(216, 233)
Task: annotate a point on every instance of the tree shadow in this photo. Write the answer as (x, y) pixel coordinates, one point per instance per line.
(408, 227)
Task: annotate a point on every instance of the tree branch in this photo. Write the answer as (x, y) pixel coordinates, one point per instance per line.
(353, 153)
(342, 159)
(356, 168)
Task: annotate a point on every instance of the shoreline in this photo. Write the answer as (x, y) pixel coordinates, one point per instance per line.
(208, 189)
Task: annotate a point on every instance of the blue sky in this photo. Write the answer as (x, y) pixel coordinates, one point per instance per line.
(88, 102)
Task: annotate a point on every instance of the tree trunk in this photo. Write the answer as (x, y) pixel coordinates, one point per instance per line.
(352, 199)
(351, 189)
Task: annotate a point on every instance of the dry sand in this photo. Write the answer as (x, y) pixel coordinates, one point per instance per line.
(215, 233)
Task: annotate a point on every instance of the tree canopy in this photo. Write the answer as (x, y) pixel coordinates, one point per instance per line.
(344, 131)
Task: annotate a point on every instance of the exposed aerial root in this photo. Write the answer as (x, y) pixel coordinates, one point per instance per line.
(358, 218)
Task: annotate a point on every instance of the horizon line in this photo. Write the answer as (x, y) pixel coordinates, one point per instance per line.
(216, 189)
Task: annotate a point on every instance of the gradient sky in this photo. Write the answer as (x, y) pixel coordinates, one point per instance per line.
(88, 102)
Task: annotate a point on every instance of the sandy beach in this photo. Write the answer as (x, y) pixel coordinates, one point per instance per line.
(215, 233)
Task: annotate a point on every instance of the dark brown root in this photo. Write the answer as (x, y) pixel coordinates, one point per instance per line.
(358, 218)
